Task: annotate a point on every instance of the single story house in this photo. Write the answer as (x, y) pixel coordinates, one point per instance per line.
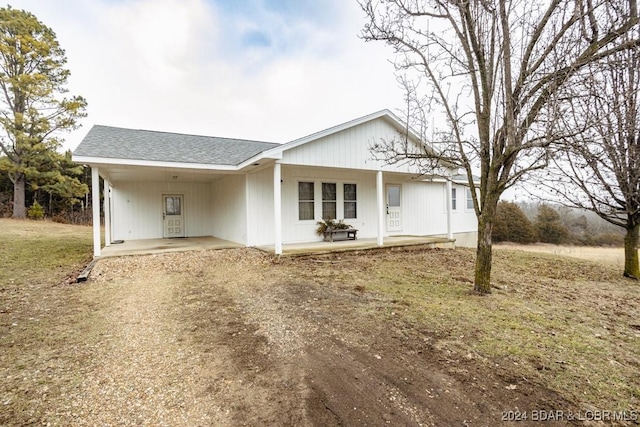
(167, 185)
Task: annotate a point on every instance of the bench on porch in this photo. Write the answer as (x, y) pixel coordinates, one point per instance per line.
(334, 234)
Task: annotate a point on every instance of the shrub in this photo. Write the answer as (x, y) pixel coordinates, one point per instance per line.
(608, 239)
(61, 218)
(550, 227)
(35, 211)
(512, 225)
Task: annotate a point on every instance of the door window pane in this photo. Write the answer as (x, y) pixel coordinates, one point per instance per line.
(393, 196)
(329, 201)
(305, 201)
(172, 205)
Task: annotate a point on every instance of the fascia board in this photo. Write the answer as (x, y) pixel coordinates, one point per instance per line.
(150, 163)
(260, 157)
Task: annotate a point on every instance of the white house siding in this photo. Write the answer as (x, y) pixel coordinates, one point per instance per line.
(428, 199)
(137, 209)
(423, 204)
(294, 230)
(349, 149)
(423, 208)
(229, 208)
(463, 220)
(260, 210)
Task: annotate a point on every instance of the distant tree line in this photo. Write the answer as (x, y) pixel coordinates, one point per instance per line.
(530, 223)
(59, 192)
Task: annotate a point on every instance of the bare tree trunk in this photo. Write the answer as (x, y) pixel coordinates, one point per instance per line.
(19, 208)
(482, 283)
(631, 266)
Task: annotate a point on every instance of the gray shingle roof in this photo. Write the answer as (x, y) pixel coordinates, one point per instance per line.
(130, 144)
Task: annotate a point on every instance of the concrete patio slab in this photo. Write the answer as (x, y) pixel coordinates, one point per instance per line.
(322, 247)
(154, 246)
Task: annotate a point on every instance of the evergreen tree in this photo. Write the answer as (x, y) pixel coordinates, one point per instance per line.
(32, 108)
(512, 225)
(549, 225)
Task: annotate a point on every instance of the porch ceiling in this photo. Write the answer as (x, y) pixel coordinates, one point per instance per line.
(124, 173)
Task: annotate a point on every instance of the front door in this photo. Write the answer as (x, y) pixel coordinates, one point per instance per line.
(394, 212)
(172, 213)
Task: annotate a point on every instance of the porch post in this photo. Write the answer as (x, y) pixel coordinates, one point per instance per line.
(380, 200)
(107, 213)
(277, 208)
(248, 220)
(449, 209)
(95, 208)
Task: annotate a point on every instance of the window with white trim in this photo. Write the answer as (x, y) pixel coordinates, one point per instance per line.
(329, 200)
(350, 201)
(306, 201)
(453, 199)
(469, 199)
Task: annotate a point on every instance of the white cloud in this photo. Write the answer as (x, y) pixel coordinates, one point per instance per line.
(238, 69)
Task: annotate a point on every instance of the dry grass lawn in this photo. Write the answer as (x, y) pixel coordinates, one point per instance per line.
(606, 255)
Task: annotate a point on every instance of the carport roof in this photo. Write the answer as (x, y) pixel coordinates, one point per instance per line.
(145, 145)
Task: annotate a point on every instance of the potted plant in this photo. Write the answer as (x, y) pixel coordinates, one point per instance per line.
(329, 225)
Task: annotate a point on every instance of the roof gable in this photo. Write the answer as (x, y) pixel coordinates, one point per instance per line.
(131, 144)
(386, 114)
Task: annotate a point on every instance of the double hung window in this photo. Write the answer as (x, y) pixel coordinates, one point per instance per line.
(329, 201)
(350, 201)
(335, 203)
(306, 201)
(469, 200)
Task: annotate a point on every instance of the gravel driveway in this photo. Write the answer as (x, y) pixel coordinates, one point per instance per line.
(236, 337)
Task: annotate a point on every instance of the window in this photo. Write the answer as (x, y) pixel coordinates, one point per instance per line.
(350, 201)
(469, 199)
(305, 201)
(453, 199)
(172, 205)
(329, 201)
(393, 196)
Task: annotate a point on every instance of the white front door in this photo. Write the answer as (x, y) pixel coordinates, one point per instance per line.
(172, 213)
(394, 211)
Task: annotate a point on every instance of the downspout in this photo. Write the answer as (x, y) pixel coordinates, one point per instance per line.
(277, 208)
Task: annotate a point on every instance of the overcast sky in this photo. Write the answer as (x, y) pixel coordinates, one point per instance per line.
(270, 70)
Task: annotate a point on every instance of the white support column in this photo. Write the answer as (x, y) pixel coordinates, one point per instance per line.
(277, 208)
(107, 213)
(95, 207)
(449, 210)
(248, 220)
(381, 210)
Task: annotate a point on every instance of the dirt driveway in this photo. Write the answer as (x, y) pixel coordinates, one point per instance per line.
(242, 339)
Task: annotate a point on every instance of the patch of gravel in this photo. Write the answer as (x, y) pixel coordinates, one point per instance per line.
(146, 372)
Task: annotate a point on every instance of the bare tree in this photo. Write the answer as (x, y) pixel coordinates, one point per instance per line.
(490, 71)
(598, 168)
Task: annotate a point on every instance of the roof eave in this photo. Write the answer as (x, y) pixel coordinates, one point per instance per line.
(87, 160)
(265, 155)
